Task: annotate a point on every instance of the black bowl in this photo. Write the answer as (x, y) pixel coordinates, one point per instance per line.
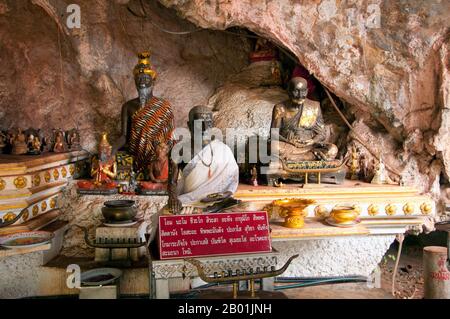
(121, 203)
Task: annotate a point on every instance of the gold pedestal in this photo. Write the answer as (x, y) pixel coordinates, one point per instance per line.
(293, 211)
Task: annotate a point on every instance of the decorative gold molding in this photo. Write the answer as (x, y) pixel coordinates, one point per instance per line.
(35, 210)
(56, 174)
(408, 209)
(20, 182)
(53, 202)
(36, 180)
(2, 184)
(47, 176)
(63, 172)
(25, 215)
(391, 209)
(9, 217)
(71, 169)
(373, 210)
(44, 206)
(426, 208)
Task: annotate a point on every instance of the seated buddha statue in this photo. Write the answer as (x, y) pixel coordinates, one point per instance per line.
(301, 130)
(144, 119)
(104, 169)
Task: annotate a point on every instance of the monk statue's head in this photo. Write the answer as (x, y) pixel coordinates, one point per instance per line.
(200, 119)
(144, 77)
(298, 90)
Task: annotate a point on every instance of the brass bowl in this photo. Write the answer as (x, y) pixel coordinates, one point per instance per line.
(344, 214)
(293, 210)
(119, 210)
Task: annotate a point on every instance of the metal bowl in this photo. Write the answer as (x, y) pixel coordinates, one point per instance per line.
(119, 210)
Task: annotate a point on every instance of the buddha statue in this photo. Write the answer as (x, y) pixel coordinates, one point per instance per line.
(104, 169)
(301, 131)
(60, 143)
(144, 119)
(212, 168)
(19, 144)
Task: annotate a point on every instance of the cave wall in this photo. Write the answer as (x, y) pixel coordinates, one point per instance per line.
(56, 77)
(387, 59)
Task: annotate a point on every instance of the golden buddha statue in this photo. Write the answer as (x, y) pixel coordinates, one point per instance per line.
(146, 118)
(302, 132)
(104, 169)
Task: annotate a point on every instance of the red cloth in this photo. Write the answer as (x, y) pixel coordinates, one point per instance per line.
(301, 71)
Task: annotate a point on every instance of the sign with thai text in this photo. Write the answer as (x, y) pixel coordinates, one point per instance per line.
(185, 236)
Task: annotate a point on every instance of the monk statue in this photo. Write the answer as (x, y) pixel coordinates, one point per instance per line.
(212, 168)
(145, 119)
(302, 131)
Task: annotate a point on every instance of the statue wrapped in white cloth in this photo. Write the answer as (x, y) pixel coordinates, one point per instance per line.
(213, 169)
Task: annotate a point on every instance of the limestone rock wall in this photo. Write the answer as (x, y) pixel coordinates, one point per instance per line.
(387, 59)
(53, 76)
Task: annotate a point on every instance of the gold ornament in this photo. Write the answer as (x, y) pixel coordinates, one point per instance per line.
(373, 210)
(20, 182)
(144, 66)
(391, 210)
(426, 208)
(358, 209)
(9, 217)
(53, 203)
(408, 209)
(56, 174)
(63, 172)
(25, 215)
(36, 180)
(47, 176)
(44, 206)
(35, 210)
(2, 184)
(71, 169)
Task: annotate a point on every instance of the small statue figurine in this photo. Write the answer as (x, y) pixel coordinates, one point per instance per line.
(34, 145)
(381, 175)
(19, 144)
(60, 144)
(254, 173)
(73, 140)
(2, 142)
(174, 205)
(104, 169)
(158, 169)
(354, 166)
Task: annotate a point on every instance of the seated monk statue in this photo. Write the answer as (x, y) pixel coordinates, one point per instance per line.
(212, 168)
(144, 119)
(158, 169)
(302, 132)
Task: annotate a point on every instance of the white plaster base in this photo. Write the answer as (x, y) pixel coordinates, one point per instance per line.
(334, 256)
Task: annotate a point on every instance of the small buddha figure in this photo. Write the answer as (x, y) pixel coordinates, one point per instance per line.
(302, 132)
(19, 144)
(144, 119)
(381, 175)
(60, 145)
(34, 145)
(104, 169)
(254, 174)
(3, 140)
(213, 168)
(354, 165)
(73, 140)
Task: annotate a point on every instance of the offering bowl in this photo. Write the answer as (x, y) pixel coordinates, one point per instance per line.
(119, 210)
(344, 214)
(293, 209)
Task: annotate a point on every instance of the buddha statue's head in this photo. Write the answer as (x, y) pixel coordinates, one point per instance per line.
(104, 148)
(144, 77)
(200, 120)
(298, 90)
